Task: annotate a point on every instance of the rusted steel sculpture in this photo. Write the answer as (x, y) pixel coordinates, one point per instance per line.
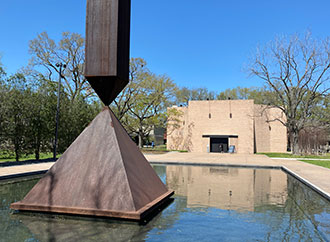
(102, 173)
(107, 46)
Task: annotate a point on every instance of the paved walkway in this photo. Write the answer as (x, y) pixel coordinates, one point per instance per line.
(13, 171)
(318, 177)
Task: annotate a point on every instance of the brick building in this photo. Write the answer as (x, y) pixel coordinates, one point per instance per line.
(217, 125)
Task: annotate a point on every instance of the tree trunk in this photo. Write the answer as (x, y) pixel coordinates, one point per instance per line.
(37, 148)
(16, 153)
(295, 142)
(16, 148)
(37, 154)
(140, 138)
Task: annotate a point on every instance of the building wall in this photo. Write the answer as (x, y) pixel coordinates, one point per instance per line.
(240, 118)
(261, 130)
(177, 129)
(240, 123)
(270, 133)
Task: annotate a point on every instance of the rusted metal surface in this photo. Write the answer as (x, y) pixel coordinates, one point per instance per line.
(132, 215)
(107, 46)
(103, 173)
(107, 88)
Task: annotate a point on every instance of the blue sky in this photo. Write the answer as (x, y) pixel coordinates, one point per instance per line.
(198, 43)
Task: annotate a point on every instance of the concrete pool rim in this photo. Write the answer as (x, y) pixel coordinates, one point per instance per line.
(309, 184)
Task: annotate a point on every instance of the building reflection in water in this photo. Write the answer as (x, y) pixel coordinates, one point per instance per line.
(228, 188)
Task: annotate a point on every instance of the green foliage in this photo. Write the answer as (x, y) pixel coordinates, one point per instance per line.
(174, 119)
(14, 111)
(2, 73)
(156, 149)
(141, 106)
(27, 116)
(74, 118)
(6, 156)
(184, 95)
(28, 99)
(121, 105)
(259, 95)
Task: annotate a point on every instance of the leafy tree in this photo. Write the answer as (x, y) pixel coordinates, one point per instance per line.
(148, 110)
(141, 106)
(259, 95)
(137, 72)
(74, 118)
(3, 97)
(14, 112)
(184, 95)
(41, 104)
(296, 70)
(2, 73)
(27, 120)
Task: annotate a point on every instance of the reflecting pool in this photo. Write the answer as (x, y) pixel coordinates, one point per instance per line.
(211, 204)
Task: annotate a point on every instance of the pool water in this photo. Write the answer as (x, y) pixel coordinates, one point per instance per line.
(211, 204)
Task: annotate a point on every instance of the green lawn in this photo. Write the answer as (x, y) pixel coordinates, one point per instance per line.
(11, 157)
(160, 149)
(288, 155)
(324, 163)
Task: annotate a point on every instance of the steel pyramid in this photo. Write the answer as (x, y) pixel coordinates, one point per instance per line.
(102, 173)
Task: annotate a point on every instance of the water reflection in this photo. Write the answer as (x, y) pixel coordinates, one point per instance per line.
(228, 188)
(70, 229)
(210, 203)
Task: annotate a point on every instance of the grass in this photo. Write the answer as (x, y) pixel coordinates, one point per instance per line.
(6, 157)
(160, 149)
(288, 155)
(324, 163)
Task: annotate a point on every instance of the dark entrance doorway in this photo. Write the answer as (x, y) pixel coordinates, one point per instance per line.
(219, 144)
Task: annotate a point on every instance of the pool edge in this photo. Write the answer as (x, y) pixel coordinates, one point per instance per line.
(315, 188)
(283, 168)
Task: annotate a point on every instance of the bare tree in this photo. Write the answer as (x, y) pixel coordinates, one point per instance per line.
(70, 50)
(312, 139)
(296, 70)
